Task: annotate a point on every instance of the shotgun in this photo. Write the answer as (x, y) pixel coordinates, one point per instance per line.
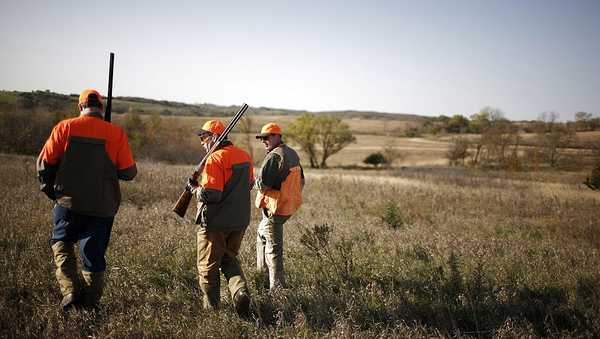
(110, 81)
(183, 203)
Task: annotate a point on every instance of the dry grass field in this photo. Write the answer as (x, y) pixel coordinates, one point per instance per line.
(417, 252)
(372, 135)
(415, 151)
(357, 125)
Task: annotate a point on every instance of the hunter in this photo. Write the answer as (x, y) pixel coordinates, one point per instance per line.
(79, 168)
(279, 196)
(223, 215)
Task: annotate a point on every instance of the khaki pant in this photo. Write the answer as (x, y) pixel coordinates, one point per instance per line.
(269, 248)
(219, 250)
(66, 268)
(87, 291)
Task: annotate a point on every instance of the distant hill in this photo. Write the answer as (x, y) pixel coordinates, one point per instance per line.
(53, 102)
(375, 115)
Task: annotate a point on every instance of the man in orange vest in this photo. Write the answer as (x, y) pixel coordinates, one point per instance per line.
(223, 216)
(279, 185)
(79, 168)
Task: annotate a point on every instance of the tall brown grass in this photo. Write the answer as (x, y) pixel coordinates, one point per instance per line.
(422, 252)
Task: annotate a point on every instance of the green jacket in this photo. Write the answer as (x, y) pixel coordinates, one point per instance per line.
(276, 167)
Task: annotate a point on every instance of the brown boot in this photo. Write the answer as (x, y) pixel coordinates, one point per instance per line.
(212, 296)
(93, 287)
(66, 273)
(69, 301)
(241, 302)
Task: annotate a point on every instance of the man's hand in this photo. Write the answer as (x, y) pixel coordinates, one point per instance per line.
(49, 193)
(191, 185)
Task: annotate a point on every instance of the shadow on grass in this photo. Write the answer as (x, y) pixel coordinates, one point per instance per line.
(332, 289)
(451, 311)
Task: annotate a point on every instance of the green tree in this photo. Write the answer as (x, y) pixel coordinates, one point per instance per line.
(480, 121)
(334, 135)
(303, 131)
(320, 137)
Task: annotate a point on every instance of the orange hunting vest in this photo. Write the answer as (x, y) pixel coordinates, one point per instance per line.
(288, 199)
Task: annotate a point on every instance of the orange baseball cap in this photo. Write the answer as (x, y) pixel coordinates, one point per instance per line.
(212, 126)
(268, 129)
(85, 95)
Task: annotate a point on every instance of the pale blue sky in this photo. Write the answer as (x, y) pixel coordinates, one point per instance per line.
(422, 57)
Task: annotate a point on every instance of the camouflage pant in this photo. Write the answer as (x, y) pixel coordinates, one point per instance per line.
(269, 248)
(218, 251)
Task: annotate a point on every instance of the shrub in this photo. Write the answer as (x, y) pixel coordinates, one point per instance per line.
(392, 216)
(160, 139)
(375, 159)
(24, 133)
(391, 154)
(459, 150)
(593, 181)
(338, 255)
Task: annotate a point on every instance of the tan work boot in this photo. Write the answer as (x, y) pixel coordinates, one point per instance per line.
(66, 273)
(93, 286)
(212, 296)
(69, 301)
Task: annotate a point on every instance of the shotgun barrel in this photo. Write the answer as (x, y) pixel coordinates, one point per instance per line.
(108, 110)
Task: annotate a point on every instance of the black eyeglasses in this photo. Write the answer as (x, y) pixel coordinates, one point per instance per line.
(266, 137)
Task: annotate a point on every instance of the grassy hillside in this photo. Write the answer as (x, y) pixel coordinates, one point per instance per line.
(414, 253)
(166, 131)
(46, 100)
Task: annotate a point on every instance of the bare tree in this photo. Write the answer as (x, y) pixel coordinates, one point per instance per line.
(552, 136)
(391, 154)
(583, 121)
(458, 151)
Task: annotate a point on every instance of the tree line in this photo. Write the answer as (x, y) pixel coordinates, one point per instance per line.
(460, 124)
(500, 143)
(27, 119)
(156, 138)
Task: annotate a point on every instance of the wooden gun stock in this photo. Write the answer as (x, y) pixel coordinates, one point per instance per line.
(182, 204)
